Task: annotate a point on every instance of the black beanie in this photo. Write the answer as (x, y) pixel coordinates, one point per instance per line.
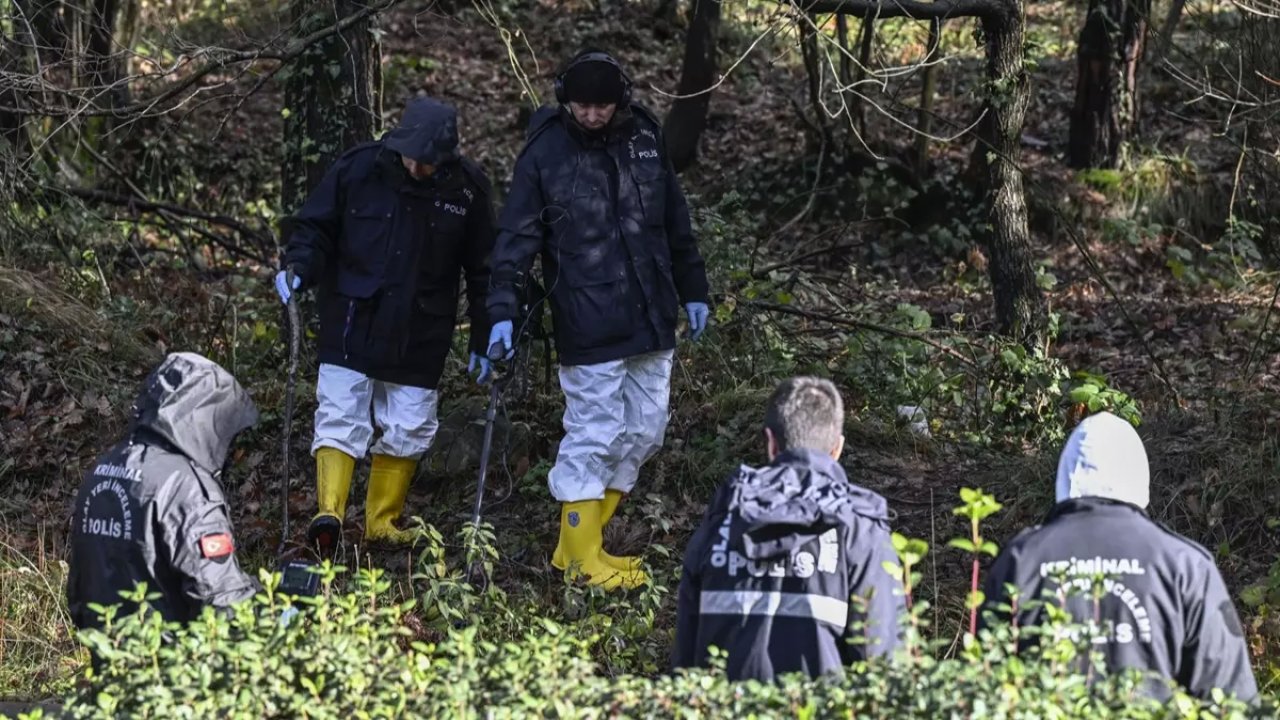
(594, 82)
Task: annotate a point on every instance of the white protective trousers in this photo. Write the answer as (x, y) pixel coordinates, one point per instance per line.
(350, 403)
(615, 419)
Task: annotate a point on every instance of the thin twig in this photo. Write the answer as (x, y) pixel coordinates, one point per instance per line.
(859, 325)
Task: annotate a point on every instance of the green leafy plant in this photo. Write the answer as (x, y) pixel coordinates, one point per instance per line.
(977, 506)
(1093, 392)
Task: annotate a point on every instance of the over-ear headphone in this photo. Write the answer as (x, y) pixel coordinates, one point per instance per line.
(563, 98)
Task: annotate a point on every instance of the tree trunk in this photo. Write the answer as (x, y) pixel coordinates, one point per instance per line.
(103, 61)
(39, 21)
(687, 118)
(1019, 304)
(930, 83)
(864, 62)
(812, 54)
(1171, 21)
(846, 65)
(17, 49)
(332, 96)
(1106, 107)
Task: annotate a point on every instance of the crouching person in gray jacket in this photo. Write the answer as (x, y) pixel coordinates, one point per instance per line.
(151, 509)
(786, 573)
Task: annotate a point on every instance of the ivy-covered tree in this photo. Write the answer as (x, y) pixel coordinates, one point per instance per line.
(333, 95)
(1108, 55)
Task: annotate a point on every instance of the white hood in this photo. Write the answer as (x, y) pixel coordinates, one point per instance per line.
(1104, 458)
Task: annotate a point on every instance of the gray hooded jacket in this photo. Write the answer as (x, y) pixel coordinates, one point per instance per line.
(151, 509)
(1164, 607)
(786, 573)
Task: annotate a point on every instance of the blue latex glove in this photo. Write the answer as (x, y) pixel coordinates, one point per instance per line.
(287, 615)
(501, 333)
(698, 313)
(282, 286)
(478, 360)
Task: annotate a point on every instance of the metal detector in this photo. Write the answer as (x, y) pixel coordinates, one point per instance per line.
(297, 578)
(503, 370)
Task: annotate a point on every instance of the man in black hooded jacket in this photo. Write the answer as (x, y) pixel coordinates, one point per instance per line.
(384, 237)
(787, 571)
(151, 509)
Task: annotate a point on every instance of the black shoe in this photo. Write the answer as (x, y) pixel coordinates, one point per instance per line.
(324, 534)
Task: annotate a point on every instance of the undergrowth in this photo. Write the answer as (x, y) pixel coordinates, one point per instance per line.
(462, 649)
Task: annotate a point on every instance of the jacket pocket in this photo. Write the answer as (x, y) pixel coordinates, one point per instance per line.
(598, 305)
(667, 297)
(651, 187)
(364, 236)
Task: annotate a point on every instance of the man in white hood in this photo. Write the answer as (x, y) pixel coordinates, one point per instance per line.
(1164, 608)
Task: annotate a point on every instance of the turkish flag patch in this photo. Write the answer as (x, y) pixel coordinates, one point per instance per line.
(217, 545)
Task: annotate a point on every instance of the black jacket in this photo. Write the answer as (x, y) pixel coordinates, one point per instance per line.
(1164, 606)
(771, 574)
(151, 508)
(607, 215)
(385, 251)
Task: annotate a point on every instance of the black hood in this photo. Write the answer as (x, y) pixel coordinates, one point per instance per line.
(801, 495)
(428, 133)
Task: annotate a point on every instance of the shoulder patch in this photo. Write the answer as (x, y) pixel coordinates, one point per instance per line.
(217, 545)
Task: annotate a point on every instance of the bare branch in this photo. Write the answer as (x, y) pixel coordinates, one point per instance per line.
(913, 9)
(143, 205)
(215, 59)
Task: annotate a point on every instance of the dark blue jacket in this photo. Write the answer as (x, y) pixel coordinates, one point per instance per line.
(771, 575)
(385, 251)
(1164, 607)
(607, 215)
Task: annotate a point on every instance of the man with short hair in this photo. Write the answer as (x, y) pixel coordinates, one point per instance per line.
(151, 510)
(1163, 609)
(787, 571)
(594, 194)
(385, 237)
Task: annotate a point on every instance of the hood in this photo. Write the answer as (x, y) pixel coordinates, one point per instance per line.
(197, 406)
(1104, 458)
(619, 128)
(797, 498)
(428, 133)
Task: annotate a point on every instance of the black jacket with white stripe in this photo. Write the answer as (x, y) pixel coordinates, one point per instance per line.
(786, 573)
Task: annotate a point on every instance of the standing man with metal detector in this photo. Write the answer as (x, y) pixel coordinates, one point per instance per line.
(384, 238)
(594, 194)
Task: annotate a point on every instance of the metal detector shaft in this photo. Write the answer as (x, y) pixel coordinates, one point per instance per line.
(295, 341)
(490, 417)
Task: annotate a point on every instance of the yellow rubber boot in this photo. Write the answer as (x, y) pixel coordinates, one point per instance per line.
(389, 479)
(580, 538)
(621, 562)
(334, 469)
(609, 505)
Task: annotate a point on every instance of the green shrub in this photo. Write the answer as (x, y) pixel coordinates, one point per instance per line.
(363, 654)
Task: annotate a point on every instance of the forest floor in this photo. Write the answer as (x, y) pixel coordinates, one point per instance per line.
(1187, 335)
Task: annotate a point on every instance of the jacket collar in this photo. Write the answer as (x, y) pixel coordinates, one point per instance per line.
(391, 170)
(618, 129)
(1102, 507)
(813, 459)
